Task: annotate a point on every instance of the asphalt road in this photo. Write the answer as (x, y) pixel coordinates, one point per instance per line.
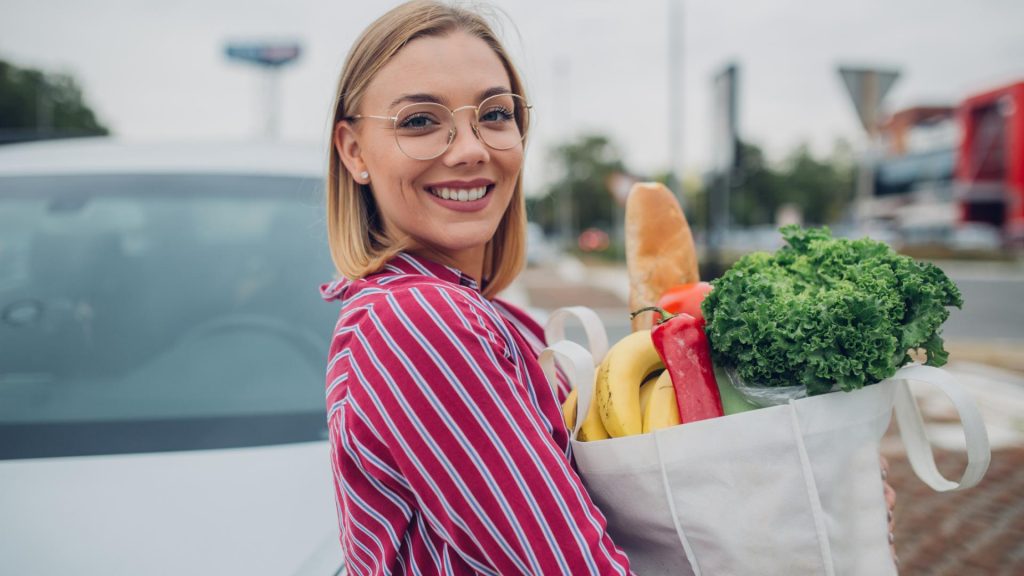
(993, 310)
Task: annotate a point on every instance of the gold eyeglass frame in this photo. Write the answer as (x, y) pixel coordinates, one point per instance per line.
(454, 129)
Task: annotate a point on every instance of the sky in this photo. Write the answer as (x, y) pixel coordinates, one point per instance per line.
(156, 70)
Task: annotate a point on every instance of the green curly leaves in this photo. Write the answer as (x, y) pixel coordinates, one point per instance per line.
(823, 311)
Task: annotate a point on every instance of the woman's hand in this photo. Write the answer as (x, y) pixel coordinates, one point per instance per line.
(890, 502)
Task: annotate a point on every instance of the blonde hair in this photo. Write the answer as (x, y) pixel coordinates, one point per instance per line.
(355, 231)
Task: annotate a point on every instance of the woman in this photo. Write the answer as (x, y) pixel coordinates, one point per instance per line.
(449, 451)
(448, 446)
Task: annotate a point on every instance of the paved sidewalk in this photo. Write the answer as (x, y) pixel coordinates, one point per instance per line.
(975, 532)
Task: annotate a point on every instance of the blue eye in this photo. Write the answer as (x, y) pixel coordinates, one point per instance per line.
(497, 115)
(417, 122)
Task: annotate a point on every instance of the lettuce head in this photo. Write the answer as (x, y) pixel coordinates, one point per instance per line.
(824, 311)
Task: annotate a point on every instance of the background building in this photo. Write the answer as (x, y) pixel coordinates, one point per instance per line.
(954, 175)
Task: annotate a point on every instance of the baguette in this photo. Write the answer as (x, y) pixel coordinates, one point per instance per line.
(659, 248)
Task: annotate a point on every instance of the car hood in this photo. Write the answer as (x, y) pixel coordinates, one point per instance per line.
(267, 510)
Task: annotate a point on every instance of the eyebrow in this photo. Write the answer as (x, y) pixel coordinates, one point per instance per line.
(494, 91)
(415, 98)
(426, 97)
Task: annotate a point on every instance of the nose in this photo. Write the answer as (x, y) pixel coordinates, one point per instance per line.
(466, 147)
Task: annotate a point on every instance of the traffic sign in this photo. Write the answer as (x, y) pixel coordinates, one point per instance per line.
(867, 88)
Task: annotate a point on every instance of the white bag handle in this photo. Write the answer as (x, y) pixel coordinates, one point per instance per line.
(579, 362)
(597, 338)
(919, 449)
(578, 365)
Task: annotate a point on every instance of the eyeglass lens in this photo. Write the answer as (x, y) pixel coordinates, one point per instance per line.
(424, 130)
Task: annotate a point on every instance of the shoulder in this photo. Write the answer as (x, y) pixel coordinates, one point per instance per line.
(416, 300)
(407, 348)
(526, 324)
(412, 315)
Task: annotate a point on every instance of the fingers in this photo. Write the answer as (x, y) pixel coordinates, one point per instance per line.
(890, 504)
(890, 500)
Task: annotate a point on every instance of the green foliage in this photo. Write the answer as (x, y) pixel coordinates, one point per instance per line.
(823, 311)
(34, 104)
(584, 166)
(821, 188)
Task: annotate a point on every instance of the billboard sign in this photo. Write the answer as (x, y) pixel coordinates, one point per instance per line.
(264, 53)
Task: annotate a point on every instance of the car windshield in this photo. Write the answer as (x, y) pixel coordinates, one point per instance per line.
(160, 312)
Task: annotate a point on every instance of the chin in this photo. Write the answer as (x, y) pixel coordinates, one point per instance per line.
(462, 242)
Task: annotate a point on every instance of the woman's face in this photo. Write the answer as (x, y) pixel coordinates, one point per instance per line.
(454, 70)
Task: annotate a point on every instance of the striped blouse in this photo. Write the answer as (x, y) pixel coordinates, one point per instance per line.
(448, 447)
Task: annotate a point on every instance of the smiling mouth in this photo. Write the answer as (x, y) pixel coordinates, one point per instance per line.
(461, 194)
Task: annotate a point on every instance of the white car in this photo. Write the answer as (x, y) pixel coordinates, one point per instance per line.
(162, 356)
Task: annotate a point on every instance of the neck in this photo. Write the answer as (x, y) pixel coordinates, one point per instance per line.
(470, 262)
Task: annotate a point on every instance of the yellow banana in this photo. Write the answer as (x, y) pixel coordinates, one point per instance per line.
(617, 391)
(592, 428)
(645, 393)
(662, 410)
(569, 409)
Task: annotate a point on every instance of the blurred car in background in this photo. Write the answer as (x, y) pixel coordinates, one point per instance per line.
(976, 236)
(162, 351)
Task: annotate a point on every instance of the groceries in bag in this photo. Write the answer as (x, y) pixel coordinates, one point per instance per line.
(820, 314)
(779, 490)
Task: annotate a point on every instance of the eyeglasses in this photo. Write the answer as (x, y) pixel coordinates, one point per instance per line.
(425, 130)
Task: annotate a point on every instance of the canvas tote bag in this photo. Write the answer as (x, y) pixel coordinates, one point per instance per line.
(786, 490)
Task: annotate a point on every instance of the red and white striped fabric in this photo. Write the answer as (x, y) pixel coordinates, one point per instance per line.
(447, 443)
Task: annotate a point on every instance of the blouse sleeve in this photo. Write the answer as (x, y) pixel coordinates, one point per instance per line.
(438, 385)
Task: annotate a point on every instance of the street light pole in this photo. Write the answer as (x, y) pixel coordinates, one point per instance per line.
(867, 88)
(272, 100)
(675, 95)
(563, 199)
(270, 57)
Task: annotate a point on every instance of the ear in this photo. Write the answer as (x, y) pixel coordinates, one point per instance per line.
(346, 144)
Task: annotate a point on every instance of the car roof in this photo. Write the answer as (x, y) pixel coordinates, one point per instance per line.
(113, 156)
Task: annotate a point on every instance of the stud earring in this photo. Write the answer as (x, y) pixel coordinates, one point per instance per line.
(364, 175)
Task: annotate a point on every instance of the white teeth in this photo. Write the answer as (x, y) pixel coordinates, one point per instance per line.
(461, 194)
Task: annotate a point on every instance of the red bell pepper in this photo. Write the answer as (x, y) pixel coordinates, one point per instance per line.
(683, 348)
(685, 298)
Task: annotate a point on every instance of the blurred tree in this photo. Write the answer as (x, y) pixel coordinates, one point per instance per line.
(757, 189)
(584, 167)
(821, 188)
(36, 105)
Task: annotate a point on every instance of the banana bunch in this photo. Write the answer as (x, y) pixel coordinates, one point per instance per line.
(630, 396)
